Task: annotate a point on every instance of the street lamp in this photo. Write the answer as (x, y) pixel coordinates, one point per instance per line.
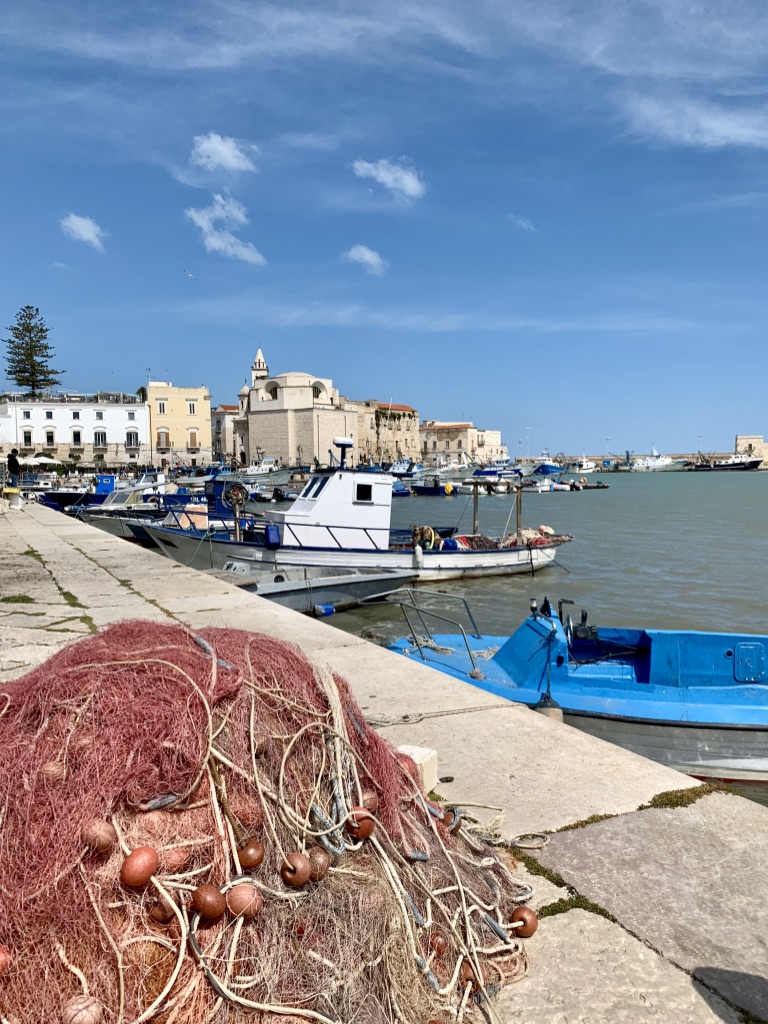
(608, 445)
(698, 437)
(528, 442)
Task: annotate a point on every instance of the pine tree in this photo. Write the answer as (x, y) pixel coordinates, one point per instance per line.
(28, 352)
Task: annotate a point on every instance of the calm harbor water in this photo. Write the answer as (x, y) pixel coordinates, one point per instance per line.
(680, 550)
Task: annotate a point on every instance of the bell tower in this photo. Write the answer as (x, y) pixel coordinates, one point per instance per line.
(259, 369)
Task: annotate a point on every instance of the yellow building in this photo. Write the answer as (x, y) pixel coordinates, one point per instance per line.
(179, 424)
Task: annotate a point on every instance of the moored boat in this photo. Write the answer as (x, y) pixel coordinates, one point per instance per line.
(342, 518)
(656, 463)
(695, 701)
(313, 590)
(739, 461)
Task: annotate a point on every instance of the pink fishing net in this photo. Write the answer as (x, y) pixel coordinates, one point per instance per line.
(183, 749)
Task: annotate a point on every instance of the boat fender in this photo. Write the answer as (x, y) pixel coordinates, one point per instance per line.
(549, 708)
(418, 556)
(427, 538)
(449, 488)
(321, 610)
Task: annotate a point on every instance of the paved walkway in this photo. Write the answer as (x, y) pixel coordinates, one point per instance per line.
(686, 939)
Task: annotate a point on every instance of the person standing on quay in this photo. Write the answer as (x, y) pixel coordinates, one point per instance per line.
(13, 467)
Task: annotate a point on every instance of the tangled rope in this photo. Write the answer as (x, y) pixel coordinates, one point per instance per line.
(205, 828)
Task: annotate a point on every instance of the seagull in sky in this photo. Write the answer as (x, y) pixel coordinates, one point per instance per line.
(189, 274)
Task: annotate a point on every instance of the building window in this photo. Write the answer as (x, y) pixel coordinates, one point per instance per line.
(77, 438)
(458, 444)
(434, 446)
(447, 445)
(49, 439)
(26, 415)
(100, 438)
(131, 415)
(191, 406)
(75, 414)
(192, 439)
(162, 439)
(316, 392)
(161, 408)
(99, 415)
(27, 435)
(48, 414)
(218, 424)
(132, 439)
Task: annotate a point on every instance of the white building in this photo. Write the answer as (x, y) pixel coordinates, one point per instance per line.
(108, 428)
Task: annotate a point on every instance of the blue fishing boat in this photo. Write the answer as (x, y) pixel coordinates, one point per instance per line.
(695, 701)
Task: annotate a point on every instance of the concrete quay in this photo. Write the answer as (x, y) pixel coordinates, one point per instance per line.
(659, 912)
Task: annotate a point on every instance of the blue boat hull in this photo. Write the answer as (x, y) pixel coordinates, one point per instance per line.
(695, 701)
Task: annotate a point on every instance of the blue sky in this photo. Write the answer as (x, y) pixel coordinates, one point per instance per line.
(545, 217)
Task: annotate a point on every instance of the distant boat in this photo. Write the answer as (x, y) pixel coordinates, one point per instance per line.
(582, 466)
(655, 463)
(543, 466)
(695, 701)
(739, 461)
(405, 468)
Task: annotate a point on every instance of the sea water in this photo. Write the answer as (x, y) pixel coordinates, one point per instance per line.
(669, 550)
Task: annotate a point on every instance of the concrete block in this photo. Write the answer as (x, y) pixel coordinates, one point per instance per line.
(426, 762)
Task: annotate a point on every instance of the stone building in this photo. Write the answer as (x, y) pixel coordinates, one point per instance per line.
(440, 442)
(752, 444)
(106, 429)
(294, 417)
(180, 424)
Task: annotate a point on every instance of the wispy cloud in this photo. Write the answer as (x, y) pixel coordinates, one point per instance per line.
(696, 122)
(522, 222)
(215, 152)
(215, 222)
(371, 261)
(399, 178)
(83, 229)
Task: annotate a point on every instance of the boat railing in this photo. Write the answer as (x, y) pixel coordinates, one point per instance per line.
(410, 603)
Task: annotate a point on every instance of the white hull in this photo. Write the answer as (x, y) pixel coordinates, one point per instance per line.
(430, 566)
(315, 591)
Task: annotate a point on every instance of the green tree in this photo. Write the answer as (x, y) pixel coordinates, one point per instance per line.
(28, 353)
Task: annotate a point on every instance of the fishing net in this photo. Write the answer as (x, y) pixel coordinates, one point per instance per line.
(204, 828)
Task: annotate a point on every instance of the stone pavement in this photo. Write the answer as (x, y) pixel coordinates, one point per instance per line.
(685, 886)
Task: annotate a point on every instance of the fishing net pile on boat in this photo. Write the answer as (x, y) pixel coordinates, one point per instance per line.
(204, 828)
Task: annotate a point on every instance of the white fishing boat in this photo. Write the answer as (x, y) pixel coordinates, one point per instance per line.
(342, 518)
(581, 466)
(655, 463)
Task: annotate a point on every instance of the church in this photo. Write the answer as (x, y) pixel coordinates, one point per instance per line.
(293, 417)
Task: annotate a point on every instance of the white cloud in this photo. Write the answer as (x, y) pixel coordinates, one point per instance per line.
(522, 222)
(219, 152)
(700, 123)
(371, 261)
(83, 229)
(401, 179)
(214, 222)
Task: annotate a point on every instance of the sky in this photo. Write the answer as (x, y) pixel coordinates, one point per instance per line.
(547, 217)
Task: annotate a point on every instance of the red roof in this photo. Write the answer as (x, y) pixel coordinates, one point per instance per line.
(395, 408)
